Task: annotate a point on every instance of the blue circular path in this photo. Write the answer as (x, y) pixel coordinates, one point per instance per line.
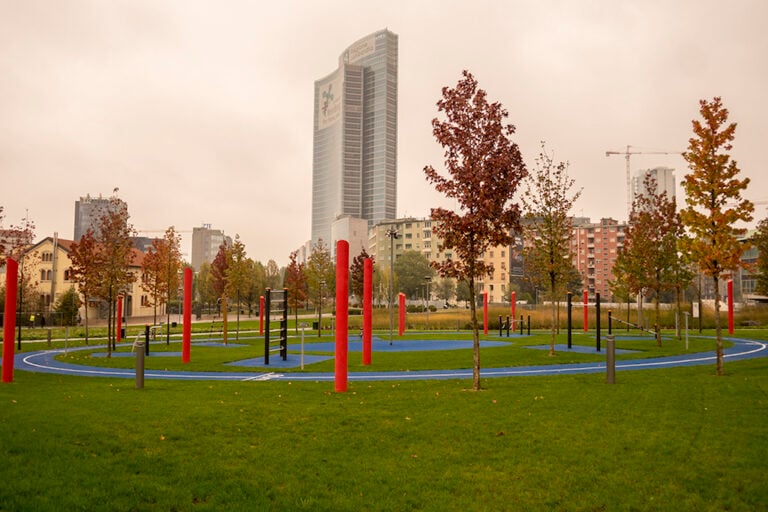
(44, 361)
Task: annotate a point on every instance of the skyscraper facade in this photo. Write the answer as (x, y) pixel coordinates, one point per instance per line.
(206, 243)
(664, 178)
(354, 167)
(89, 210)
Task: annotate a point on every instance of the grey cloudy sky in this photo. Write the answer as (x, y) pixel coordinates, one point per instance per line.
(201, 111)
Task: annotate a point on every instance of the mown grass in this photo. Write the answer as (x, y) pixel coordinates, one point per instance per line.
(673, 439)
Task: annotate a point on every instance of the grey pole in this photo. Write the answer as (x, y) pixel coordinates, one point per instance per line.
(610, 361)
(139, 364)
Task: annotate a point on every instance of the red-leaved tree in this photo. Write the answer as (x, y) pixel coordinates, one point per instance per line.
(484, 170)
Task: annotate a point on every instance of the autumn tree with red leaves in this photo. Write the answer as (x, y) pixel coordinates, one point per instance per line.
(296, 284)
(715, 206)
(485, 168)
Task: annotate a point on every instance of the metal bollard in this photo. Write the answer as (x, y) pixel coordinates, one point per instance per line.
(139, 364)
(49, 338)
(610, 360)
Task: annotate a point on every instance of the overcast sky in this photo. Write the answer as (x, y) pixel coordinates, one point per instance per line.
(201, 111)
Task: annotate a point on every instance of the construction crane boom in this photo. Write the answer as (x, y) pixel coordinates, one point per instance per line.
(629, 151)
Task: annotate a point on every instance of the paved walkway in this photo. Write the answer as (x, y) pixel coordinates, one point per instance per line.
(44, 361)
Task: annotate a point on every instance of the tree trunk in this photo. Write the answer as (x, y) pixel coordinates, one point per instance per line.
(679, 311)
(475, 336)
(224, 317)
(657, 312)
(86, 317)
(237, 331)
(718, 330)
(553, 318)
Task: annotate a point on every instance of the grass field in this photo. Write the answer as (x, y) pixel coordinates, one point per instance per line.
(673, 439)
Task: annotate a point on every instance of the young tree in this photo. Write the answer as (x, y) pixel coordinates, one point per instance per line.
(218, 280)
(761, 243)
(548, 201)
(356, 275)
(238, 276)
(445, 289)
(205, 293)
(114, 256)
(711, 189)
(85, 269)
(67, 305)
(413, 270)
(321, 277)
(296, 283)
(272, 276)
(649, 256)
(485, 169)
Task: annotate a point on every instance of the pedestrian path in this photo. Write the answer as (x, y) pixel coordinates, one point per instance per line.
(44, 361)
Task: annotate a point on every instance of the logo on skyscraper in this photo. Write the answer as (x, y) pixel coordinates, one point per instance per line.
(330, 103)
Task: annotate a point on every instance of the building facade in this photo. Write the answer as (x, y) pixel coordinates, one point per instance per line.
(354, 162)
(205, 244)
(594, 249)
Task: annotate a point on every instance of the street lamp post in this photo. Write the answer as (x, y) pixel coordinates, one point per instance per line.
(392, 234)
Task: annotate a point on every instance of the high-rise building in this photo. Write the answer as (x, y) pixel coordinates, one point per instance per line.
(664, 177)
(354, 166)
(88, 211)
(206, 243)
(594, 249)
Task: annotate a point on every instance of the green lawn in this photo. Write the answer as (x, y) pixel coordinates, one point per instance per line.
(673, 439)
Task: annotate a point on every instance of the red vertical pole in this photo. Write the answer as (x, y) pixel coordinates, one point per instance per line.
(342, 310)
(585, 299)
(485, 313)
(186, 334)
(367, 309)
(9, 320)
(261, 315)
(401, 313)
(119, 318)
(730, 306)
(513, 306)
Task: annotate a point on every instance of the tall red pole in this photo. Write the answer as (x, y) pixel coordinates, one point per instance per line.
(119, 318)
(261, 315)
(513, 306)
(367, 309)
(9, 325)
(485, 313)
(730, 306)
(401, 314)
(586, 311)
(186, 333)
(342, 310)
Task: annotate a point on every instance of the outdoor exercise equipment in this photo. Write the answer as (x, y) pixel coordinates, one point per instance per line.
(367, 309)
(597, 321)
(342, 310)
(9, 326)
(261, 315)
(570, 317)
(186, 336)
(276, 304)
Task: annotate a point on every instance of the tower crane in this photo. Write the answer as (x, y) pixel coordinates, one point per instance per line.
(629, 151)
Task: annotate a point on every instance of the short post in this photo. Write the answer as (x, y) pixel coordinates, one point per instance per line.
(610, 361)
(140, 363)
(508, 324)
(529, 325)
(686, 329)
(146, 339)
(49, 338)
(303, 326)
(522, 325)
(501, 326)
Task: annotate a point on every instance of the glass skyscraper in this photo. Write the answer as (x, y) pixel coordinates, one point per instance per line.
(354, 167)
